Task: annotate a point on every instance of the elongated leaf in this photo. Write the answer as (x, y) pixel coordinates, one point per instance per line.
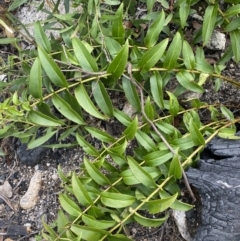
(16, 4)
(69, 205)
(87, 147)
(160, 205)
(113, 46)
(35, 79)
(232, 11)
(122, 117)
(43, 120)
(131, 94)
(173, 104)
(233, 25)
(187, 81)
(100, 135)
(209, 21)
(95, 174)
(154, 30)
(118, 237)
(184, 11)
(175, 167)
(148, 222)
(188, 56)
(66, 110)
(85, 59)
(99, 224)
(173, 52)
(41, 140)
(235, 38)
(86, 103)
(195, 133)
(118, 65)
(203, 66)
(80, 192)
(62, 221)
(130, 131)
(145, 141)
(41, 38)
(227, 113)
(52, 233)
(156, 85)
(144, 177)
(52, 70)
(116, 200)
(152, 56)
(118, 31)
(157, 158)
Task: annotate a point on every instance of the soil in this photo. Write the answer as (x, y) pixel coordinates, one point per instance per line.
(19, 175)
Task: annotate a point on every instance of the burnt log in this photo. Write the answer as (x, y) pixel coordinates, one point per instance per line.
(217, 180)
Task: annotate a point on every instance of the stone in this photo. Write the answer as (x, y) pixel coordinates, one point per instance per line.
(6, 189)
(217, 41)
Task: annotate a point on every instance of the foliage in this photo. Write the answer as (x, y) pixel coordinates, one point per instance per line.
(67, 85)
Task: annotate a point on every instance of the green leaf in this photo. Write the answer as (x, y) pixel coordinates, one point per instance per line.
(152, 56)
(141, 175)
(41, 140)
(131, 94)
(233, 25)
(160, 205)
(118, 237)
(86, 103)
(80, 192)
(16, 4)
(148, 222)
(69, 205)
(154, 30)
(188, 56)
(41, 38)
(85, 59)
(112, 46)
(235, 38)
(99, 224)
(43, 120)
(227, 113)
(66, 110)
(95, 174)
(203, 66)
(173, 52)
(62, 176)
(184, 12)
(116, 200)
(118, 31)
(209, 21)
(232, 11)
(62, 221)
(130, 131)
(148, 109)
(145, 141)
(173, 104)
(195, 133)
(35, 79)
(187, 81)
(52, 233)
(175, 167)
(156, 85)
(100, 135)
(88, 148)
(157, 158)
(122, 117)
(52, 70)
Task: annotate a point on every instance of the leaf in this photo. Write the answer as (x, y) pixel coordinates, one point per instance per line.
(42, 139)
(52, 70)
(112, 46)
(145, 141)
(118, 31)
(62, 176)
(232, 11)
(130, 131)
(141, 175)
(160, 205)
(86, 103)
(95, 174)
(131, 94)
(87, 147)
(157, 158)
(62, 221)
(187, 81)
(52, 233)
(99, 224)
(35, 79)
(235, 38)
(100, 135)
(69, 205)
(195, 133)
(173, 104)
(41, 38)
(122, 117)
(227, 113)
(154, 30)
(43, 120)
(80, 192)
(152, 56)
(209, 21)
(203, 66)
(188, 56)
(156, 85)
(85, 59)
(148, 222)
(118, 237)
(173, 52)
(184, 12)
(148, 109)
(233, 25)
(116, 200)
(118, 65)
(16, 4)
(175, 167)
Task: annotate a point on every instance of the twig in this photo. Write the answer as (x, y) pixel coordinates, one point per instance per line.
(5, 199)
(26, 236)
(130, 77)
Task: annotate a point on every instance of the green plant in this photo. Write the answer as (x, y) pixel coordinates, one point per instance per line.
(64, 88)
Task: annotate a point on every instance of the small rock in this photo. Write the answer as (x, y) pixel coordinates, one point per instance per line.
(54, 177)
(29, 200)
(6, 189)
(217, 41)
